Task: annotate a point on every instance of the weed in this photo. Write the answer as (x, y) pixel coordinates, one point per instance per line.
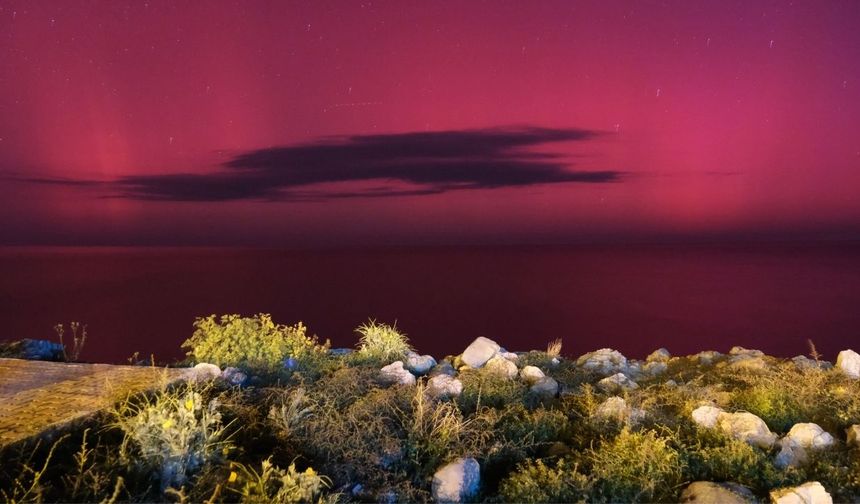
(78, 341)
(28, 485)
(381, 343)
(553, 349)
(276, 485)
(176, 431)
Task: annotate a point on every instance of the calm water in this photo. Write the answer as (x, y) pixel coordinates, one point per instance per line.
(635, 299)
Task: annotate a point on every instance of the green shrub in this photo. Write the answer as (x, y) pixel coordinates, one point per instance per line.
(716, 457)
(276, 485)
(381, 343)
(635, 467)
(770, 401)
(534, 481)
(175, 432)
(254, 343)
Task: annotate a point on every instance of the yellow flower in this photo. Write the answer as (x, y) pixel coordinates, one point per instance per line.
(167, 423)
(233, 476)
(310, 471)
(189, 404)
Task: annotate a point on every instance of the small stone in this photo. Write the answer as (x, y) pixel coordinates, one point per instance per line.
(739, 350)
(655, 368)
(747, 362)
(707, 416)
(479, 352)
(853, 435)
(810, 435)
(707, 357)
(616, 408)
(807, 493)
(457, 482)
(443, 386)
(746, 427)
(202, 372)
(443, 367)
(803, 362)
(707, 492)
(546, 387)
(501, 367)
(659, 355)
(531, 374)
(396, 374)
(849, 362)
(234, 376)
(604, 361)
(617, 383)
(419, 364)
(510, 356)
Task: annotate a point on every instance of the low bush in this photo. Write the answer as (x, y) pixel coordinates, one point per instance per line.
(256, 344)
(635, 467)
(534, 481)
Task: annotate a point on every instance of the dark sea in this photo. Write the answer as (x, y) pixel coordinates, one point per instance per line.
(635, 299)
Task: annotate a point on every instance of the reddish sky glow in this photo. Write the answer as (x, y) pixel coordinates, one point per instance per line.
(302, 123)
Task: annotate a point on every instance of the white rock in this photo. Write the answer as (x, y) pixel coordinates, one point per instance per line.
(790, 455)
(707, 416)
(853, 435)
(604, 361)
(707, 492)
(395, 373)
(458, 481)
(531, 374)
(501, 367)
(849, 362)
(659, 355)
(809, 435)
(616, 408)
(419, 364)
(617, 383)
(545, 387)
(746, 427)
(443, 386)
(202, 372)
(748, 362)
(707, 357)
(807, 493)
(479, 352)
(739, 350)
(555, 361)
(655, 368)
(510, 356)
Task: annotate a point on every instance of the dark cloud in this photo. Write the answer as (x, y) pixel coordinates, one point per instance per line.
(405, 164)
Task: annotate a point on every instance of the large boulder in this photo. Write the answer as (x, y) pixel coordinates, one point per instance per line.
(443, 386)
(849, 362)
(458, 481)
(419, 364)
(531, 374)
(546, 388)
(501, 367)
(616, 408)
(807, 493)
(604, 361)
(396, 374)
(803, 363)
(479, 352)
(708, 492)
(616, 383)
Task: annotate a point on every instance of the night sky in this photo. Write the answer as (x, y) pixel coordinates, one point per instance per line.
(320, 123)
